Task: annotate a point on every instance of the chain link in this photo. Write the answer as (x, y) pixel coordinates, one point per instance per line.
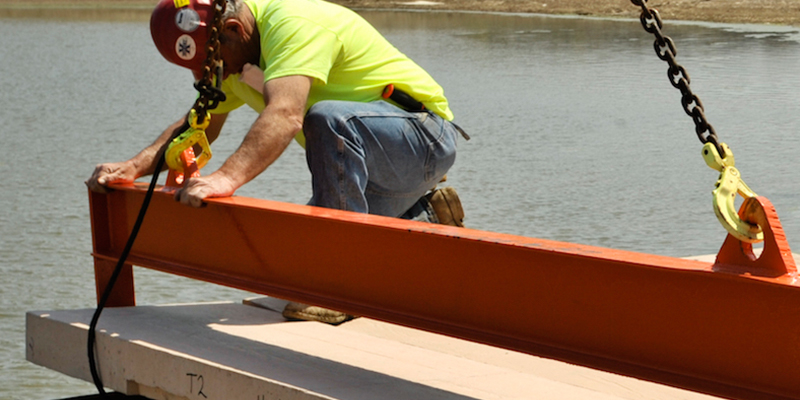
(209, 85)
(666, 51)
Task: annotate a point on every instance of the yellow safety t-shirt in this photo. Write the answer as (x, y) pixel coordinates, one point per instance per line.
(348, 59)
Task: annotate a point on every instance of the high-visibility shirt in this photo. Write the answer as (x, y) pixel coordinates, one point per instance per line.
(347, 58)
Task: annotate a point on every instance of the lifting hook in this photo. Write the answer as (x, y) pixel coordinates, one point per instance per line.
(195, 135)
(729, 184)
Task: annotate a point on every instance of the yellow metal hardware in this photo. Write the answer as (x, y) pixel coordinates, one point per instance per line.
(195, 135)
(729, 184)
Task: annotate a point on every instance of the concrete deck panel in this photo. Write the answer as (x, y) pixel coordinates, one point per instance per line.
(238, 351)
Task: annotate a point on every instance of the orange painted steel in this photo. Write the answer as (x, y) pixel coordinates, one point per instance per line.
(717, 328)
(175, 179)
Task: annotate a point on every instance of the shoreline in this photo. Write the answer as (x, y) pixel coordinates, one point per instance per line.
(772, 12)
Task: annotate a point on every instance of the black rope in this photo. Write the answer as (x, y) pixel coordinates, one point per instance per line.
(98, 383)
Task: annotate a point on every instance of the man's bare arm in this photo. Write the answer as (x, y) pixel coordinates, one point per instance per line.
(144, 162)
(268, 137)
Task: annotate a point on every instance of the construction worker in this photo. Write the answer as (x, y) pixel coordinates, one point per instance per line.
(315, 72)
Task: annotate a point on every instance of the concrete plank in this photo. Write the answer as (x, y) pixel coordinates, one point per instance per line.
(235, 351)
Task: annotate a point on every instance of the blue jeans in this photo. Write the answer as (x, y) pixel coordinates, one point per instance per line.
(374, 157)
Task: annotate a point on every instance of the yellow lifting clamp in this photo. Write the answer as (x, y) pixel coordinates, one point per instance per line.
(729, 184)
(195, 135)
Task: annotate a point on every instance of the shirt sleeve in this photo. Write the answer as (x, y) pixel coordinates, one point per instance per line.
(231, 102)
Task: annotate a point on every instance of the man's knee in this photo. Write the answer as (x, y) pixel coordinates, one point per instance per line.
(321, 120)
(324, 113)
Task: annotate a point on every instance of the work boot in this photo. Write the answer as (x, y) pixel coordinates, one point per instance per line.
(304, 312)
(447, 206)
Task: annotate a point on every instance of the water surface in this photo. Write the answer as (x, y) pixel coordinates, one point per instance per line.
(577, 136)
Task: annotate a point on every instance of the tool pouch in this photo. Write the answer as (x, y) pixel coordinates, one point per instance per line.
(447, 206)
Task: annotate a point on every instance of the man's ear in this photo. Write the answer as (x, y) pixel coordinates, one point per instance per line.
(234, 26)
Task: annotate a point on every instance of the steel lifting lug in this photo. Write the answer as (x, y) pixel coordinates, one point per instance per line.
(729, 184)
(195, 135)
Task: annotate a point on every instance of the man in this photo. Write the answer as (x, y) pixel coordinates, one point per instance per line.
(315, 72)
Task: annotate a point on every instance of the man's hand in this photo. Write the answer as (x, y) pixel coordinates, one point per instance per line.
(196, 189)
(108, 173)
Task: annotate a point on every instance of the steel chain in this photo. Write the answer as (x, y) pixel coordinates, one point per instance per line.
(208, 87)
(678, 77)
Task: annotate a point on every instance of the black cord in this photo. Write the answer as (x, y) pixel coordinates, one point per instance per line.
(122, 258)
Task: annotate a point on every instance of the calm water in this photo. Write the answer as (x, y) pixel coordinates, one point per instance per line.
(577, 136)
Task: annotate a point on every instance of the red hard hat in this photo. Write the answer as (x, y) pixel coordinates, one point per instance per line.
(180, 30)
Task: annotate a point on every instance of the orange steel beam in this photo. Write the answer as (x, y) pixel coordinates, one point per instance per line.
(713, 328)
